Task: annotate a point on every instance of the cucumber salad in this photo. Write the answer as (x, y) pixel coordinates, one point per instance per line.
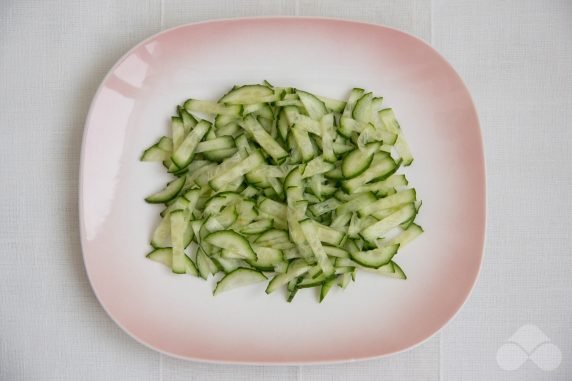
(278, 185)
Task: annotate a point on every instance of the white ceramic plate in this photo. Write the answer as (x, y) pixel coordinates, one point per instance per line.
(374, 316)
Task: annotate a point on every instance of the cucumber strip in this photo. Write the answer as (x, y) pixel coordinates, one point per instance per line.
(406, 236)
(296, 268)
(190, 267)
(351, 128)
(324, 207)
(221, 221)
(170, 192)
(376, 105)
(177, 131)
(184, 154)
(362, 109)
(311, 233)
(221, 121)
(210, 135)
(220, 154)
(249, 192)
(246, 215)
(273, 235)
(196, 226)
(336, 252)
(291, 113)
(208, 107)
(267, 125)
(403, 150)
(365, 137)
(289, 102)
(249, 94)
(355, 94)
(316, 108)
(375, 258)
(165, 256)
(392, 270)
(229, 254)
(258, 178)
(165, 143)
(340, 149)
(189, 121)
(297, 235)
(178, 228)
(354, 226)
(335, 174)
(329, 235)
(316, 166)
(289, 96)
(398, 272)
(265, 240)
(232, 241)
(407, 223)
(223, 142)
(292, 289)
(389, 121)
(292, 254)
(239, 278)
(383, 168)
(216, 203)
(262, 110)
(388, 138)
(276, 186)
(384, 186)
(268, 144)
(267, 258)
(227, 265)
(346, 262)
(376, 230)
(381, 214)
(303, 143)
(200, 176)
(198, 164)
(392, 201)
(293, 182)
(310, 197)
(358, 161)
(309, 124)
(238, 170)
(282, 125)
(273, 208)
(333, 105)
(309, 281)
(178, 203)
(229, 129)
(344, 279)
(154, 153)
(356, 202)
(326, 287)
(205, 265)
(271, 171)
(341, 220)
(327, 132)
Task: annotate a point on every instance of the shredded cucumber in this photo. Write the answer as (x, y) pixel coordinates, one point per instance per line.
(283, 186)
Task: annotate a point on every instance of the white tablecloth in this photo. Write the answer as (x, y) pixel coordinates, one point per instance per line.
(516, 57)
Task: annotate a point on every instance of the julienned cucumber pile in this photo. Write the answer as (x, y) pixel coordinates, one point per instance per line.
(278, 185)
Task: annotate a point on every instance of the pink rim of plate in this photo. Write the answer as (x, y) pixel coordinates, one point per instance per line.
(472, 268)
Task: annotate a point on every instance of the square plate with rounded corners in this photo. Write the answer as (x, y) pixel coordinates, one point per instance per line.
(374, 316)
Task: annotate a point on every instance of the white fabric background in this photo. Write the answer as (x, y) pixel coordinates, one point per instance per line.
(516, 57)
